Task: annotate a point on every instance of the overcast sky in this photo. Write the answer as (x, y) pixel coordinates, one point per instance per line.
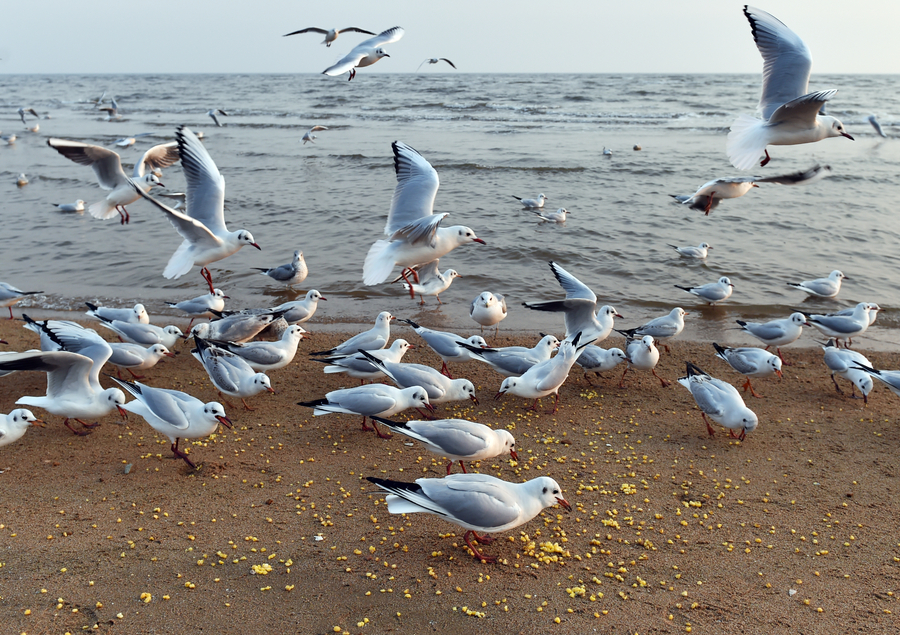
(580, 36)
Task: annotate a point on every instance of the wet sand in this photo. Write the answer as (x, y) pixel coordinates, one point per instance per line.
(671, 531)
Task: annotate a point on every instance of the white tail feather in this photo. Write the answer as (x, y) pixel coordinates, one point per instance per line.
(397, 505)
(379, 264)
(746, 142)
(180, 262)
(102, 209)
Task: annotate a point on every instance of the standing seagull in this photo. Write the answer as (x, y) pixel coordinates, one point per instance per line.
(107, 166)
(431, 281)
(791, 114)
(721, 401)
(291, 273)
(229, 373)
(309, 136)
(175, 414)
(330, 35)
(206, 238)
(750, 362)
(822, 287)
(9, 295)
(265, 356)
(449, 346)
(202, 305)
(776, 333)
(712, 292)
(642, 354)
(435, 60)
(488, 309)
(372, 399)
(212, 115)
(300, 311)
(416, 236)
(365, 54)
(545, 378)
(846, 364)
(372, 340)
(661, 329)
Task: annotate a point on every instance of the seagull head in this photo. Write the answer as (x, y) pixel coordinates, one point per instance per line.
(835, 127)
(508, 383)
(724, 280)
(246, 238)
(551, 493)
(217, 411)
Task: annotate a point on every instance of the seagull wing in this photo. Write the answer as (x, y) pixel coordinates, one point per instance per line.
(417, 186)
(159, 156)
(802, 110)
(575, 289)
(205, 185)
(385, 37)
(444, 59)
(162, 403)
(311, 29)
(346, 63)
(67, 373)
(353, 29)
(105, 163)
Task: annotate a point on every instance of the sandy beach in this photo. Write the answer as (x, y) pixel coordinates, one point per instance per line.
(671, 531)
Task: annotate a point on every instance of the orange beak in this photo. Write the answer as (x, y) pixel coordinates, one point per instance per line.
(564, 503)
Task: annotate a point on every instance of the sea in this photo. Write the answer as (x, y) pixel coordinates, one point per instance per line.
(489, 137)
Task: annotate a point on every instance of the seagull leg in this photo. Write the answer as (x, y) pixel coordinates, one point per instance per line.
(709, 200)
(137, 377)
(364, 426)
(766, 160)
(463, 466)
(449, 465)
(438, 298)
(783, 360)
(380, 434)
(246, 407)
(425, 414)
(421, 300)
(622, 380)
(534, 405)
(555, 406)
(478, 554)
(742, 435)
(208, 277)
(191, 323)
(84, 431)
(412, 294)
(446, 370)
(587, 378)
(836, 387)
(664, 382)
(180, 454)
(222, 397)
(747, 385)
(709, 429)
(10, 312)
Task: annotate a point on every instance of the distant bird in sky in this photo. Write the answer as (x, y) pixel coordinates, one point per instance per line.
(309, 136)
(877, 126)
(365, 54)
(30, 111)
(216, 111)
(435, 60)
(330, 35)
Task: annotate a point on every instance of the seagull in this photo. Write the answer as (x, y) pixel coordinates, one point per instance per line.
(791, 114)
(514, 361)
(435, 60)
(439, 387)
(202, 305)
(375, 338)
(532, 203)
(300, 311)
(877, 126)
(9, 295)
(330, 35)
(545, 378)
(750, 362)
(846, 364)
(365, 53)
(267, 356)
(488, 309)
(822, 287)
(416, 236)
(212, 115)
(14, 425)
(776, 333)
(721, 401)
(594, 359)
(107, 166)
(579, 307)
(712, 292)
(135, 315)
(559, 216)
(842, 327)
(144, 334)
(134, 357)
(448, 346)
(112, 111)
(456, 439)
(873, 312)
(290, 274)
(475, 502)
(175, 414)
(77, 206)
(661, 329)
(431, 281)
(124, 142)
(607, 152)
(229, 373)
(642, 354)
(890, 378)
(699, 252)
(371, 399)
(22, 180)
(309, 136)
(236, 327)
(30, 111)
(9, 138)
(206, 238)
(359, 367)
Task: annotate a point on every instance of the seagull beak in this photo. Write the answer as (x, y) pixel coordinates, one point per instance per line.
(257, 246)
(499, 394)
(3, 342)
(227, 297)
(225, 421)
(122, 411)
(686, 313)
(564, 503)
(271, 390)
(323, 298)
(430, 407)
(844, 134)
(478, 240)
(513, 454)
(38, 423)
(412, 346)
(169, 354)
(620, 316)
(846, 277)
(474, 398)
(779, 373)
(753, 185)
(386, 55)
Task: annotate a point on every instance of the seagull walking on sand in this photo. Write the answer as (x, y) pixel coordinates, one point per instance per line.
(435, 60)
(721, 401)
(594, 359)
(134, 357)
(842, 327)
(776, 333)
(360, 367)
(514, 361)
(375, 338)
(268, 356)
(175, 414)
(144, 334)
(299, 311)
(202, 226)
(750, 362)
(330, 34)
(229, 373)
(372, 399)
(822, 287)
(475, 502)
(449, 346)
(847, 364)
(107, 166)
(488, 309)
(202, 305)
(309, 136)
(135, 315)
(439, 387)
(365, 53)
(662, 329)
(791, 114)
(642, 354)
(235, 327)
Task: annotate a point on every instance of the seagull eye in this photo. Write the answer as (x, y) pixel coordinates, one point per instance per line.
(545, 490)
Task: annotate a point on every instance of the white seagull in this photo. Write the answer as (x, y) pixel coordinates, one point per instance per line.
(30, 111)
(206, 238)
(662, 329)
(365, 53)
(359, 367)
(416, 236)
(699, 252)
(750, 362)
(212, 115)
(9, 295)
(300, 311)
(873, 312)
(532, 203)
(791, 114)
(721, 401)
(175, 414)
(822, 287)
(559, 216)
(202, 305)
(291, 273)
(134, 357)
(842, 327)
(330, 34)
(230, 374)
(579, 308)
(375, 338)
(642, 354)
(14, 425)
(776, 333)
(107, 166)
(144, 334)
(514, 361)
(712, 292)
(309, 136)
(545, 378)
(431, 281)
(449, 346)
(372, 399)
(847, 364)
(77, 206)
(475, 502)
(877, 126)
(488, 309)
(457, 439)
(236, 327)
(594, 359)
(267, 356)
(439, 387)
(135, 315)
(435, 60)
(890, 378)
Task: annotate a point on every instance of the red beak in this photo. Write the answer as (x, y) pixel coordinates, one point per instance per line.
(513, 454)
(844, 134)
(478, 240)
(257, 246)
(564, 503)
(122, 411)
(225, 421)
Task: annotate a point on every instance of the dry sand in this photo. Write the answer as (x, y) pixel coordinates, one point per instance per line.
(671, 531)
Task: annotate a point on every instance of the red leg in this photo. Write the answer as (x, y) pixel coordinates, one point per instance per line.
(421, 300)
(449, 465)
(10, 312)
(709, 429)
(664, 382)
(446, 370)
(138, 377)
(766, 160)
(380, 434)
(622, 380)
(478, 554)
(783, 360)
(81, 433)
(709, 200)
(836, 387)
(534, 405)
(555, 406)
(208, 277)
(222, 397)
(365, 427)
(438, 298)
(246, 407)
(181, 454)
(463, 466)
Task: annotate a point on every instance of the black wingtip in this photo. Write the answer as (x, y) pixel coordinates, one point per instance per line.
(741, 323)
(693, 369)
(313, 404)
(719, 349)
